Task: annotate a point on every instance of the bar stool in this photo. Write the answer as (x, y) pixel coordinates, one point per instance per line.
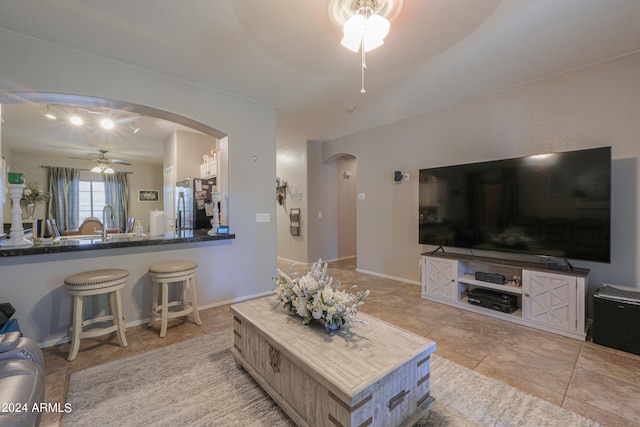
(164, 273)
(96, 282)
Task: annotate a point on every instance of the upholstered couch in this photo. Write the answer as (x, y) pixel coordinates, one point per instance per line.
(22, 380)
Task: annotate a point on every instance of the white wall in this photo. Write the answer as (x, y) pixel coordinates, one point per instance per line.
(292, 168)
(323, 205)
(346, 215)
(591, 107)
(249, 261)
(329, 219)
(190, 147)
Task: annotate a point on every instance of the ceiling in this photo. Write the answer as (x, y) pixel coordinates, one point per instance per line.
(287, 53)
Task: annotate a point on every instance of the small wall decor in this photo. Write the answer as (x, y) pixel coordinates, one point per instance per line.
(294, 222)
(295, 192)
(281, 190)
(148, 195)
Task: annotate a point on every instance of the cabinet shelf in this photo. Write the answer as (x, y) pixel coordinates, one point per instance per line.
(508, 287)
(493, 313)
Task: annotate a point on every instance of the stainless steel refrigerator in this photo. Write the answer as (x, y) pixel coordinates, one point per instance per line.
(194, 203)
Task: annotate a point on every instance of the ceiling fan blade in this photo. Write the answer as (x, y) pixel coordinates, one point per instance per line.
(120, 162)
(102, 159)
(92, 158)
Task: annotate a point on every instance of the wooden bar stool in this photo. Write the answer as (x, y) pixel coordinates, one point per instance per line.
(96, 282)
(164, 273)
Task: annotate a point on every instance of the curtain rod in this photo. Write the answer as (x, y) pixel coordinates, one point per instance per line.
(80, 169)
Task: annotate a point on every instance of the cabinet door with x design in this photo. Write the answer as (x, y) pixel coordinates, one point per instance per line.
(441, 278)
(550, 299)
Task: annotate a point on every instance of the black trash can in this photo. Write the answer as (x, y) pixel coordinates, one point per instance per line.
(616, 319)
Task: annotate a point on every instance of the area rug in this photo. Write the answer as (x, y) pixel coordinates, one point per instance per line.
(197, 383)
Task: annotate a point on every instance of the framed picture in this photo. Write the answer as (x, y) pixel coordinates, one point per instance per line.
(148, 195)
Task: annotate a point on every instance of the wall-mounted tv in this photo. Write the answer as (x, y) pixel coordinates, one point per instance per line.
(554, 205)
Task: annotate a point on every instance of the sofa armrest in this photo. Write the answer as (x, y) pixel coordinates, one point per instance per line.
(8, 341)
(13, 346)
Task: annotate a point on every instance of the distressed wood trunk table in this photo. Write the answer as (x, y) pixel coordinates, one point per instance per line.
(376, 375)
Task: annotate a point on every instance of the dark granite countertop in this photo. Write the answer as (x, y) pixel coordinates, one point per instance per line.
(87, 243)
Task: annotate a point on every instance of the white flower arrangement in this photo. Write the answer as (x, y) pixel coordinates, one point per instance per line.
(33, 194)
(316, 296)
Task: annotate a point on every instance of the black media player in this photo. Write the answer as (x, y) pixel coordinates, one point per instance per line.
(494, 300)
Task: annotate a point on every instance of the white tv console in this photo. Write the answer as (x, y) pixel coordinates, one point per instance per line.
(550, 300)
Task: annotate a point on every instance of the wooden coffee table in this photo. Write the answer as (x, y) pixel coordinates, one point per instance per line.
(377, 375)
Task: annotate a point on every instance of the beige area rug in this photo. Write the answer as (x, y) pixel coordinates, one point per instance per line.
(197, 383)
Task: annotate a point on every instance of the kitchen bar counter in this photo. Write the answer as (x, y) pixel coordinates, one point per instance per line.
(87, 243)
(34, 284)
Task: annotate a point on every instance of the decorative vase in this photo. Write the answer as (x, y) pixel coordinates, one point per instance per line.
(333, 326)
(31, 209)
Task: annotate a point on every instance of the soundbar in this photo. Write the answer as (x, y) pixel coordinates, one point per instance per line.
(490, 277)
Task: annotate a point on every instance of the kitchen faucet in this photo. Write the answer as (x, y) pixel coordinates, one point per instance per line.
(104, 220)
(181, 217)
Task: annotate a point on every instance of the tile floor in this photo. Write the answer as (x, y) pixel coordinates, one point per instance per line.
(595, 381)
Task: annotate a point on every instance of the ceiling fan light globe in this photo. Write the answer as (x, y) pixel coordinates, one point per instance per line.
(353, 30)
(377, 26)
(371, 42)
(355, 25)
(109, 170)
(353, 44)
(96, 169)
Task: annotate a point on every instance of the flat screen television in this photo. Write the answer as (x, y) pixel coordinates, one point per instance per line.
(553, 205)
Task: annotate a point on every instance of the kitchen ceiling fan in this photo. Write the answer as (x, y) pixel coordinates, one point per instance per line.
(104, 163)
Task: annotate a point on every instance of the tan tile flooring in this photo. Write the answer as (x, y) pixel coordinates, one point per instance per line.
(595, 381)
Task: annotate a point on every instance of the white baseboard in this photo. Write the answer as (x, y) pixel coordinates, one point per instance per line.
(291, 260)
(324, 260)
(234, 300)
(386, 276)
(139, 322)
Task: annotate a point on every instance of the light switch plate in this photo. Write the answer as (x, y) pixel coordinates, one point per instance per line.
(361, 196)
(263, 217)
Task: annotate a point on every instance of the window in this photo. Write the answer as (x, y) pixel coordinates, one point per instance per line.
(91, 199)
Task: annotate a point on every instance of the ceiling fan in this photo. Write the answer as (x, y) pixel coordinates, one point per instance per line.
(104, 163)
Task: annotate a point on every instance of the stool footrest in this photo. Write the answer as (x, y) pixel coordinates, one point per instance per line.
(175, 313)
(96, 332)
(100, 319)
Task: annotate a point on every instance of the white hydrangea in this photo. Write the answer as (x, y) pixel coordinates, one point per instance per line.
(316, 296)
